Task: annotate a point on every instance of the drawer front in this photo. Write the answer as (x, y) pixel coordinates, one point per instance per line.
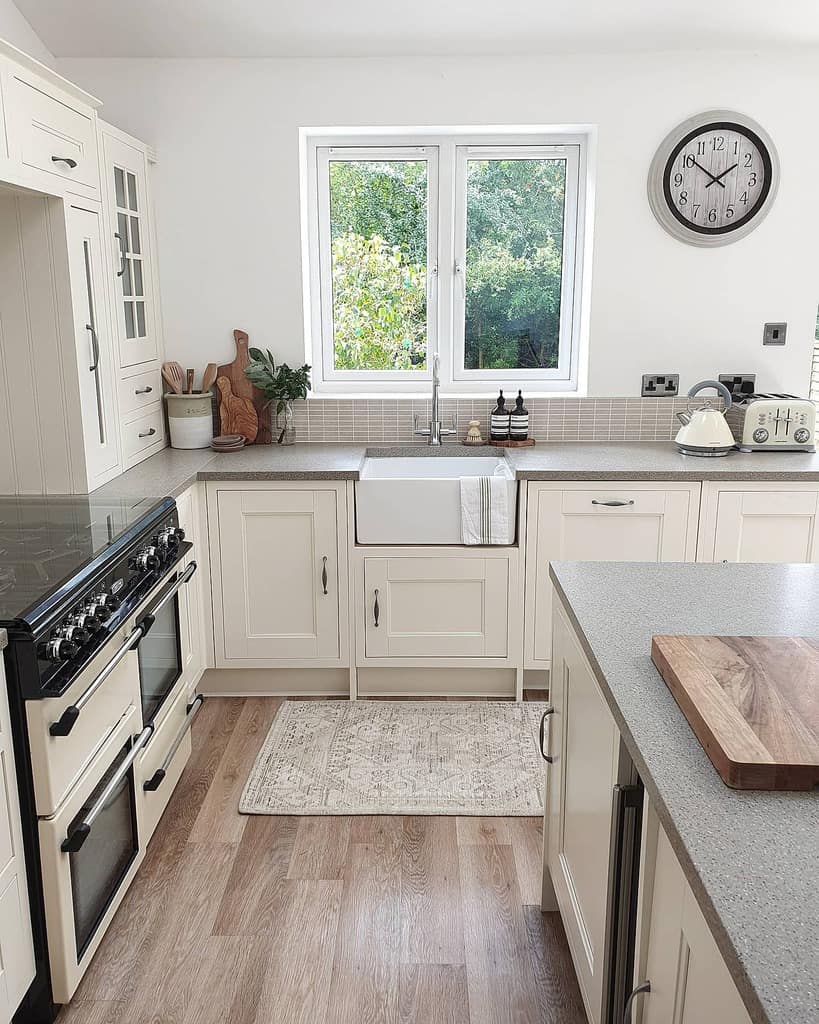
(440, 607)
(140, 392)
(59, 761)
(154, 801)
(604, 501)
(51, 136)
(143, 433)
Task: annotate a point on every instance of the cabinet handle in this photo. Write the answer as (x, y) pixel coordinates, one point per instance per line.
(613, 504)
(641, 989)
(95, 345)
(147, 433)
(376, 610)
(324, 573)
(549, 711)
(122, 259)
(64, 160)
(143, 391)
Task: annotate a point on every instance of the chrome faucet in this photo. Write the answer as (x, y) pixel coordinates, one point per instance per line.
(434, 432)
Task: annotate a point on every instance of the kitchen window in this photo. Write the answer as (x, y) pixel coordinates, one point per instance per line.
(467, 245)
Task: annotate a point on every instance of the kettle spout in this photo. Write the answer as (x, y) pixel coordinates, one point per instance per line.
(684, 418)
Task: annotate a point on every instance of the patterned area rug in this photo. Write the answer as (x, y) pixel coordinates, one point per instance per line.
(399, 757)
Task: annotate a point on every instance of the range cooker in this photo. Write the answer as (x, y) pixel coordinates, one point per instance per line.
(90, 596)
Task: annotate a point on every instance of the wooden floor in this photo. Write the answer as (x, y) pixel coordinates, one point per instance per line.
(344, 920)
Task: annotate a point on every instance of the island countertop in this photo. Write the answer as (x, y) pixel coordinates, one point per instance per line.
(171, 471)
(750, 857)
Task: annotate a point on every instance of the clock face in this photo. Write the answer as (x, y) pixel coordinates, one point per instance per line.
(713, 178)
(716, 177)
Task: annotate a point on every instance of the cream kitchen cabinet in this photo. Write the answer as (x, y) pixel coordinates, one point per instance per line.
(760, 522)
(676, 952)
(279, 570)
(191, 597)
(16, 948)
(587, 762)
(434, 607)
(642, 522)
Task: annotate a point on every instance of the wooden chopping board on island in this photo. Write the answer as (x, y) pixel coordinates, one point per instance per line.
(241, 388)
(753, 703)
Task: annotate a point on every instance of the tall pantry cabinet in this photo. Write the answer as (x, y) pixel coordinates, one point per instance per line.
(80, 331)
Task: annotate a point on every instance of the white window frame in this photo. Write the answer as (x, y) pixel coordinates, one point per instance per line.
(447, 151)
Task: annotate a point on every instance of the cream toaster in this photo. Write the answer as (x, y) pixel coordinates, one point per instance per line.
(762, 423)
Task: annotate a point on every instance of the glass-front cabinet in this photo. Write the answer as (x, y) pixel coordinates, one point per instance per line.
(126, 183)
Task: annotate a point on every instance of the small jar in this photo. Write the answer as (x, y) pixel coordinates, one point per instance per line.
(499, 421)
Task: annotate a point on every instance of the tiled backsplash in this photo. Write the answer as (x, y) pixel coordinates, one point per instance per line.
(550, 419)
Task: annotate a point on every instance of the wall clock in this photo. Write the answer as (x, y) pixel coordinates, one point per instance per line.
(713, 178)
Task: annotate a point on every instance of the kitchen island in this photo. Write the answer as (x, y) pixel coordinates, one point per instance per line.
(749, 857)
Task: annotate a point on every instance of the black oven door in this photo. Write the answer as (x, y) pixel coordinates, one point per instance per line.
(160, 650)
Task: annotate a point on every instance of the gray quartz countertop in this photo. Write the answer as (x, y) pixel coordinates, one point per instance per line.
(750, 857)
(172, 470)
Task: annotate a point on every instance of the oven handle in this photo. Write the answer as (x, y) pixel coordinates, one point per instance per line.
(149, 619)
(74, 840)
(158, 776)
(65, 723)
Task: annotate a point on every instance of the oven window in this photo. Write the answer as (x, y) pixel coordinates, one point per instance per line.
(100, 864)
(160, 660)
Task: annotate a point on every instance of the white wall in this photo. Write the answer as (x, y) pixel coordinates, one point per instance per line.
(228, 177)
(16, 30)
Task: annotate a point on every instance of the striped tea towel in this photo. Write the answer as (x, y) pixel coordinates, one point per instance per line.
(484, 509)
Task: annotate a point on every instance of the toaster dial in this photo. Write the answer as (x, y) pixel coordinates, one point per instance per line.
(801, 435)
(760, 435)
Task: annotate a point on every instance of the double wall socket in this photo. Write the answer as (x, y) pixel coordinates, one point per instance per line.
(739, 383)
(660, 385)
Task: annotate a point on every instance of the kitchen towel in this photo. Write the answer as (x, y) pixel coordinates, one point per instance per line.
(485, 509)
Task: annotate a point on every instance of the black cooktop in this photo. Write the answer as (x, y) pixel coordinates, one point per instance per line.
(47, 541)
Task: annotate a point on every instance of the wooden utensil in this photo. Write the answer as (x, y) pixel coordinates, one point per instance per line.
(242, 387)
(189, 382)
(753, 703)
(209, 377)
(236, 414)
(172, 374)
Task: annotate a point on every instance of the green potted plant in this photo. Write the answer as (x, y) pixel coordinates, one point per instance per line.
(279, 384)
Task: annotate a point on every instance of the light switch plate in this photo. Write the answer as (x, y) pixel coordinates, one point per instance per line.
(774, 334)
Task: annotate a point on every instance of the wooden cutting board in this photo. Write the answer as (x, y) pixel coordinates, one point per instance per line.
(241, 387)
(753, 703)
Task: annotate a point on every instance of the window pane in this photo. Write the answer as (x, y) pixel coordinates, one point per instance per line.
(378, 238)
(132, 191)
(135, 235)
(119, 186)
(514, 256)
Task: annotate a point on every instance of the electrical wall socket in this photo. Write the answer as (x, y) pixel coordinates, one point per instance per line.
(774, 334)
(660, 385)
(739, 383)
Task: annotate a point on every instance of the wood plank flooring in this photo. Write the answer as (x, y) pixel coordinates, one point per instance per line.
(239, 919)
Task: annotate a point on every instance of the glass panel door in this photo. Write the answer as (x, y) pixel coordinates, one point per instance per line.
(160, 659)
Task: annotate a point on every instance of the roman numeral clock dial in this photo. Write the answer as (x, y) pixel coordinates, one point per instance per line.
(713, 178)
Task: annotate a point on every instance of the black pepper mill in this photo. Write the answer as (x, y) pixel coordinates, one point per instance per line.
(499, 421)
(519, 420)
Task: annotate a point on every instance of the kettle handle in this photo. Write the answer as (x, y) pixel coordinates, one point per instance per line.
(720, 388)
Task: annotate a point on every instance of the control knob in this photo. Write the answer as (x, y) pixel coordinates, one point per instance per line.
(147, 560)
(107, 603)
(801, 435)
(168, 540)
(760, 435)
(74, 633)
(59, 649)
(88, 619)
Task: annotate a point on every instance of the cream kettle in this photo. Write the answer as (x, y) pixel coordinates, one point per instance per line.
(705, 431)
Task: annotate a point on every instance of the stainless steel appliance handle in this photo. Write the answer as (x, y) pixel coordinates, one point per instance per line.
(148, 620)
(65, 723)
(122, 256)
(81, 832)
(613, 504)
(95, 345)
(158, 776)
(546, 757)
(642, 988)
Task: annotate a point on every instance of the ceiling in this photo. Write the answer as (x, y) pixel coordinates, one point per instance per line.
(275, 28)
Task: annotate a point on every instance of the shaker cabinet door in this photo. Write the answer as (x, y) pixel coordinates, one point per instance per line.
(279, 578)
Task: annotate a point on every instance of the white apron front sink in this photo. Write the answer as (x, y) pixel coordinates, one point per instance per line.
(417, 500)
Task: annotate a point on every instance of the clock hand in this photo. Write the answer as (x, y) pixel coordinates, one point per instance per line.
(710, 175)
(717, 179)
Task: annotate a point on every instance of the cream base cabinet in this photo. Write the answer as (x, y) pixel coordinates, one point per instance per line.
(191, 604)
(278, 566)
(676, 952)
(434, 608)
(624, 522)
(584, 743)
(764, 522)
(16, 948)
